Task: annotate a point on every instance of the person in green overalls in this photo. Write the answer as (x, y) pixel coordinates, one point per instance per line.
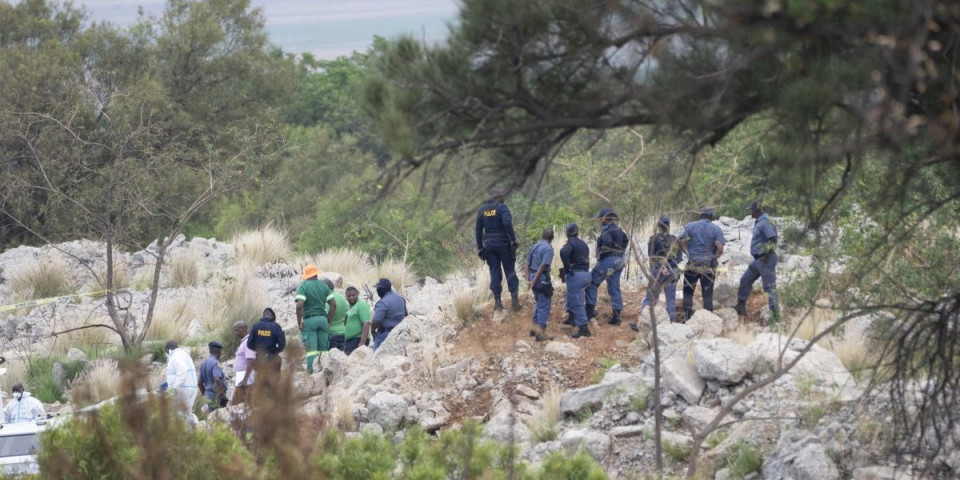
(312, 311)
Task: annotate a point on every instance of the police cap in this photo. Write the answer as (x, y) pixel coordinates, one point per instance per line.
(755, 205)
(607, 212)
(498, 192)
(707, 213)
(383, 283)
(664, 220)
(572, 229)
(214, 345)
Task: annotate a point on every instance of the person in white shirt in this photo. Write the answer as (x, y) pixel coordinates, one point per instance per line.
(23, 407)
(181, 380)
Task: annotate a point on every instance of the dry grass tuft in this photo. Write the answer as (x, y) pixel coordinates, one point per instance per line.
(121, 278)
(100, 382)
(743, 335)
(262, 246)
(342, 414)
(171, 319)
(436, 354)
(813, 323)
(399, 273)
(41, 279)
(352, 264)
(186, 269)
(93, 338)
(855, 356)
(543, 427)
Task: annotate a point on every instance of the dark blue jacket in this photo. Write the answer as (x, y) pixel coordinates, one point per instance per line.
(266, 336)
(575, 255)
(664, 248)
(494, 226)
(612, 242)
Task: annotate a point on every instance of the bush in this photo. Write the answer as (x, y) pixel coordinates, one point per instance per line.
(42, 279)
(42, 384)
(262, 246)
(744, 460)
(185, 270)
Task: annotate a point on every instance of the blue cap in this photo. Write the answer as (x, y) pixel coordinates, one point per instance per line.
(383, 283)
(572, 229)
(706, 212)
(606, 212)
(664, 220)
(215, 345)
(755, 205)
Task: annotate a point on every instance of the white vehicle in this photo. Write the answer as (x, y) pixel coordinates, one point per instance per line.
(19, 445)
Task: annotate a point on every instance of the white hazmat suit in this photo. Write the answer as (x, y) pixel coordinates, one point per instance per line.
(25, 409)
(182, 382)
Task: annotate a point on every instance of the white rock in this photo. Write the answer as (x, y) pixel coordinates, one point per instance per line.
(674, 339)
(629, 431)
(595, 443)
(705, 324)
(722, 360)
(387, 410)
(562, 349)
(527, 392)
(698, 418)
(818, 363)
(448, 375)
(730, 319)
(659, 312)
(75, 355)
(800, 456)
(881, 473)
(592, 397)
(681, 378)
(504, 427)
(725, 290)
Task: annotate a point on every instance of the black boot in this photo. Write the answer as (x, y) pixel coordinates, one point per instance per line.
(615, 319)
(635, 327)
(741, 308)
(569, 320)
(514, 302)
(541, 335)
(582, 332)
(591, 312)
(497, 304)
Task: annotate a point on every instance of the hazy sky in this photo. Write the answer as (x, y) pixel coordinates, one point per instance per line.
(327, 28)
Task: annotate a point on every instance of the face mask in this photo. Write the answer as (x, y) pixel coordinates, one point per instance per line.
(169, 352)
(17, 395)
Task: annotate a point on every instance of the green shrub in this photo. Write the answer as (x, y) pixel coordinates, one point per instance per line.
(560, 466)
(640, 402)
(370, 456)
(678, 452)
(744, 460)
(41, 383)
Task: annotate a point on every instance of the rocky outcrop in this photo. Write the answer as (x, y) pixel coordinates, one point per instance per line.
(800, 456)
(722, 360)
(818, 363)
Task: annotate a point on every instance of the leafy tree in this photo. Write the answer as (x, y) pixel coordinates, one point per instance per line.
(125, 135)
(838, 108)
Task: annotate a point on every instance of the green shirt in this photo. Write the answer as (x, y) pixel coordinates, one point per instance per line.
(314, 294)
(338, 322)
(358, 314)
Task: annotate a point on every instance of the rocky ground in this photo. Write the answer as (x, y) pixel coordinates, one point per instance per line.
(436, 370)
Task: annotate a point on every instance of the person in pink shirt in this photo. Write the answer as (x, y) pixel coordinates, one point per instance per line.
(242, 364)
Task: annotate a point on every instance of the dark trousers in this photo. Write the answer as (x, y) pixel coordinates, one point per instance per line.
(351, 345)
(705, 274)
(765, 268)
(338, 342)
(502, 258)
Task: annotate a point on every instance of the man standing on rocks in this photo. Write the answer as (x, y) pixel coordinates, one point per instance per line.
(763, 246)
(338, 322)
(389, 311)
(267, 339)
(664, 253)
(358, 321)
(611, 246)
(575, 256)
(537, 270)
(181, 380)
(242, 364)
(313, 303)
(212, 382)
(703, 241)
(497, 245)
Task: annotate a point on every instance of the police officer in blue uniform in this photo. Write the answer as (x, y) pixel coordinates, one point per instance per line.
(537, 269)
(611, 246)
(763, 247)
(497, 244)
(703, 242)
(575, 256)
(389, 311)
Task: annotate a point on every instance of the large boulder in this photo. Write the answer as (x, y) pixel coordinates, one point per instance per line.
(674, 339)
(412, 330)
(387, 410)
(730, 319)
(705, 324)
(881, 473)
(562, 349)
(800, 456)
(595, 443)
(334, 277)
(592, 397)
(722, 360)
(818, 363)
(681, 378)
(697, 418)
(725, 291)
(659, 312)
(505, 427)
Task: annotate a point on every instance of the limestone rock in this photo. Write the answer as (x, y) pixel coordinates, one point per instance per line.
(722, 360)
(229, 415)
(527, 392)
(595, 443)
(881, 473)
(504, 427)
(308, 385)
(698, 418)
(387, 410)
(448, 375)
(593, 396)
(659, 312)
(681, 378)
(674, 339)
(76, 355)
(725, 291)
(730, 319)
(433, 417)
(334, 277)
(800, 456)
(562, 349)
(818, 363)
(629, 431)
(705, 324)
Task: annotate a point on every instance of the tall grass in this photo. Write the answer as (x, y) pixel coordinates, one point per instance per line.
(743, 335)
(121, 278)
(100, 382)
(171, 319)
(262, 246)
(399, 273)
(544, 426)
(352, 264)
(186, 269)
(239, 300)
(90, 338)
(855, 356)
(41, 279)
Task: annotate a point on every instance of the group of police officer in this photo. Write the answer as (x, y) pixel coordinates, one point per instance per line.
(701, 240)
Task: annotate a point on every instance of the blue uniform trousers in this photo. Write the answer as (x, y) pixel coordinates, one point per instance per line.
(705, 274)
(379, 337)
(668, 283)
(764, 268)
(502, 258)
(542, 311)
(577, 283)
(609, 269)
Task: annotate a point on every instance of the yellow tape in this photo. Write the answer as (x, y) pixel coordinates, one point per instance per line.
(44, 301)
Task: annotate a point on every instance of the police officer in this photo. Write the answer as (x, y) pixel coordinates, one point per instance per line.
(763, 247)
(497, 244)
(664, 252)
(611, 245)
(267, 339)
(389, 311)
(537, 270)
(703, 242)
(212, 382)
(575, 256)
